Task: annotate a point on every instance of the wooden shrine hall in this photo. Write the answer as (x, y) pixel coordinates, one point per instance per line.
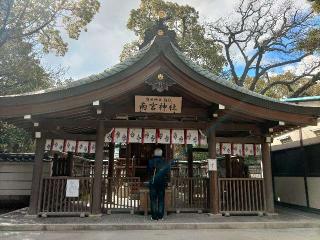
(158, 97)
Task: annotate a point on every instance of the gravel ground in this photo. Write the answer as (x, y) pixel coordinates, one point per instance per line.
(285, 214)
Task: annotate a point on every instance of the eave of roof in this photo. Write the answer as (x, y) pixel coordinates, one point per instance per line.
(301, 99)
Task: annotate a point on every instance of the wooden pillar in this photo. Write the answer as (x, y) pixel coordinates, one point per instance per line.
(128, 159)
(190, 160)
(267, 177)
(213, 175)
(111, 160)
(110, 171)
(98, 168)
(36, 176)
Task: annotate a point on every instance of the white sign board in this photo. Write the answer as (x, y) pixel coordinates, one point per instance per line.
(72, 188)
(212, 165)
(158, 104)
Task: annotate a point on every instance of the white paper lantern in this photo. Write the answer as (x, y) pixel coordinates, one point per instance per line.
(120, 135)
(258, 149)
(226, 148)
(48, 144)
(248, 150)
(192, 137)
(70, 146)
(237, 149)
(108, 137)
(203, 139)
(92, 147)
(58, 145)
(150, 135)
(164, 136)
(83, 147)
(177, 137)
(135, 135)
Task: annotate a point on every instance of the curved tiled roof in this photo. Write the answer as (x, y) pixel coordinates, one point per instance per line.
(159, 46)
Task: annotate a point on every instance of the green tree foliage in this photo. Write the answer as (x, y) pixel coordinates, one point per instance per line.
(29, 28)
(191, 34)
(43, 20)
(13, 139)
(20, 69)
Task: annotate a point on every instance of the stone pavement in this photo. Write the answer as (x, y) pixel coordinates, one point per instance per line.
(203, 234)
(286, 218)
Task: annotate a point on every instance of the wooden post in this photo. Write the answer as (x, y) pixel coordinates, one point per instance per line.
(37, 176)
(267, 176)
(213, 175)
(110, 171)
(128, 160)
(98, 168)
(190, 160)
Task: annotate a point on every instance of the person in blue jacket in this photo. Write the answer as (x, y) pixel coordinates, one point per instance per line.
(157, 172)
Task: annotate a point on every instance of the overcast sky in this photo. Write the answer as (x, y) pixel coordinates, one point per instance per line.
(100, 47)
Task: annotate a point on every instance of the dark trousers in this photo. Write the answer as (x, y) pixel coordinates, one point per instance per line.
(157, 201)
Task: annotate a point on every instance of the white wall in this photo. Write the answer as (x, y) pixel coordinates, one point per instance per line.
(314, 191)
(290, 190)
(16, 178)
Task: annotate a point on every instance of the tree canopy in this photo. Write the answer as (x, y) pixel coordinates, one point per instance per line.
(29, 29)
(184, 20)
(264, 39)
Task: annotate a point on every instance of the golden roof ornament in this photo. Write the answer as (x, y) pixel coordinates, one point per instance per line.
(162, 14)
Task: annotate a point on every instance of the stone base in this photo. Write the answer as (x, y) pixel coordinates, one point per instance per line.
(272, 214)
(214, 214)
(31, 215)
(95, 215)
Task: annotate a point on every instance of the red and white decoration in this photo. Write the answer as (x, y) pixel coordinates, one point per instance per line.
(48, 145)
(164, 136)
(135, 135)
(237, 149)
(177, 137)
(192, 137)
(149, 136)
(83, 147)
(120, 135)
(70, 146)
(58, 145)
(248, 149)
(203, 138)
(226, 148)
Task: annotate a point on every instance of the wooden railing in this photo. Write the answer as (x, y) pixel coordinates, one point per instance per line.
(53, 200)
(189, 193)
(241, 195)
(121, 193)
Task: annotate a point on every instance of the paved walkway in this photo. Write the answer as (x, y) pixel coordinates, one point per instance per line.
(203, 234)
(286, 218)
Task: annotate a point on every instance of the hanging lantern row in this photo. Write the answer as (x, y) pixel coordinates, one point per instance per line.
(63, 145)
(161, 136)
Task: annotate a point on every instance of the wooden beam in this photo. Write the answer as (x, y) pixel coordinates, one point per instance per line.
(256, 140)
(220, 127)
(69, 136)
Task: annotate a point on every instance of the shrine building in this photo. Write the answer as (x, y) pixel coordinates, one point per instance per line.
(101, 130)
